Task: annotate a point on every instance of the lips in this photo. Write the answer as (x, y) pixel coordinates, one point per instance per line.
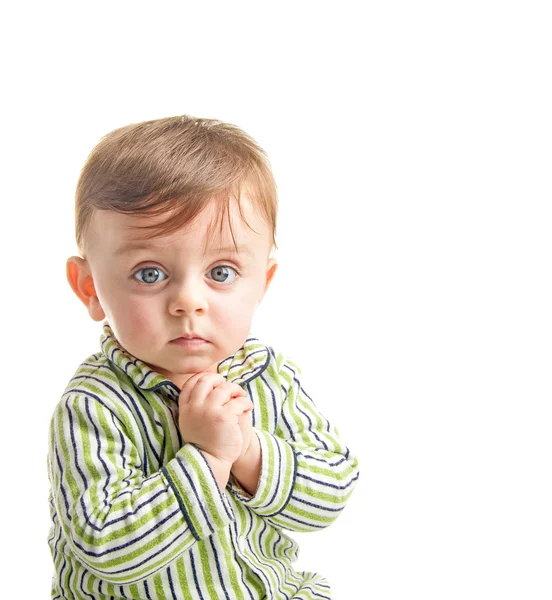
(190, 336)
(189, 340)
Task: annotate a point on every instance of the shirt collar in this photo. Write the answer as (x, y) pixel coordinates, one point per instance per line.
(246, 364)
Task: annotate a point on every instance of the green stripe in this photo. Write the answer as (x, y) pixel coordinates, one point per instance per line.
(151, 488)
(151, 567)
(284, 482)
(63, 437)
(207, 489)
(90, 584)
(100, 371)
(93, 388)
(130, 528)
(312, 468)
(181, 573)
(313, 493)
(270, 469)
(158, 584)
(228, 551)
(262, 404)
(206, 567)
(314, 517)
(110, 591)
(168, 438)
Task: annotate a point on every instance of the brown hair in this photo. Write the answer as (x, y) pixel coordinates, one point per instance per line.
(174, 166)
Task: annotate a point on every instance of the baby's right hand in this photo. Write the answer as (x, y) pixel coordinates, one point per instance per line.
(209, 413)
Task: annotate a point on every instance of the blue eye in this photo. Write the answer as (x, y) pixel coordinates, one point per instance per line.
(149, 275)
(222, 274)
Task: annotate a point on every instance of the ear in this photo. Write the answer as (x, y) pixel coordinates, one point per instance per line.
(80, 279)
(271, 267)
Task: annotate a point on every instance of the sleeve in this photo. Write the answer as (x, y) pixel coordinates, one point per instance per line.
(307, 474)
(122, 525)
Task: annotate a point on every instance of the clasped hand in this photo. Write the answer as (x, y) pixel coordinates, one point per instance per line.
(215, 416)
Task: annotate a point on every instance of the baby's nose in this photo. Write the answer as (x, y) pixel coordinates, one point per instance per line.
(189, 297)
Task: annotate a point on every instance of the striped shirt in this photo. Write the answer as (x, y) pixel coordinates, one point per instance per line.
(136, 511)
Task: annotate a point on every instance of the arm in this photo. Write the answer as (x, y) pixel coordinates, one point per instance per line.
(307, 474)
(123, 525)
(247, 469)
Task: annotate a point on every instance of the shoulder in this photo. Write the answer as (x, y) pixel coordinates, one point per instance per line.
(96, 381)
(96, 369)
(280, 365)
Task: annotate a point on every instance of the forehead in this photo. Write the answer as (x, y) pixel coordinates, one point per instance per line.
(211, 229)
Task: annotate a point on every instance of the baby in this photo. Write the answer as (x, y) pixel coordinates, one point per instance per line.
(183, 448)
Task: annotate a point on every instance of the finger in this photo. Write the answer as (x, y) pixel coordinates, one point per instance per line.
(224, 393)
(188, 386)
(203, 375)
(205, 385)
(190, 383)
(235, 391)
(239, 406)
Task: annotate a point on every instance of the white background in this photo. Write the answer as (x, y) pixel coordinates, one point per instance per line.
(412, 146)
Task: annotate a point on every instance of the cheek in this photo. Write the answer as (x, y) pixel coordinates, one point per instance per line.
(236, 310)
(139, 315)
(135, 318)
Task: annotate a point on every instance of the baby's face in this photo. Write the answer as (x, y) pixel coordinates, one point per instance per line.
(180, 303)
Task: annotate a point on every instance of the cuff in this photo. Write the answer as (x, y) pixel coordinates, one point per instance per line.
(203, 505)
(278, 471)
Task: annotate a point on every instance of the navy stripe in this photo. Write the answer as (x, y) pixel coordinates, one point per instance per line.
(277, 489)
(315, 593)
(331, 485)
(192, 563)
(237, 559)
(258, 370)
(61, 577)
(81, 587)
(264, 577)
(199, 499)
(217, 563)
(277, 574)
(123, 452)
(181, 504)
(308, 525)
(321, 459)
(175, 597)
(132, 513)
(131, 403)
(144, 431)
(99, 445)
(312, 429)
(322, 508)
(62, 487)
(293, 477)
(228, 512)
(132, 541)
(136, 565)
(74, 442)
(120, 398)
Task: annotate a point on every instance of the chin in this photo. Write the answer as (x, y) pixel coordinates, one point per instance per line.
(196, 366)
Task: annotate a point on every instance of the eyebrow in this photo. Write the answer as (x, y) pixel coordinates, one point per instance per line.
(231, 250)
(134, 246)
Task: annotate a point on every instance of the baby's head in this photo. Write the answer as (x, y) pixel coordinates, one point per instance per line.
(175, 222)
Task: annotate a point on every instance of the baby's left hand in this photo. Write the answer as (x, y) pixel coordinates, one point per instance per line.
(246, 428)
